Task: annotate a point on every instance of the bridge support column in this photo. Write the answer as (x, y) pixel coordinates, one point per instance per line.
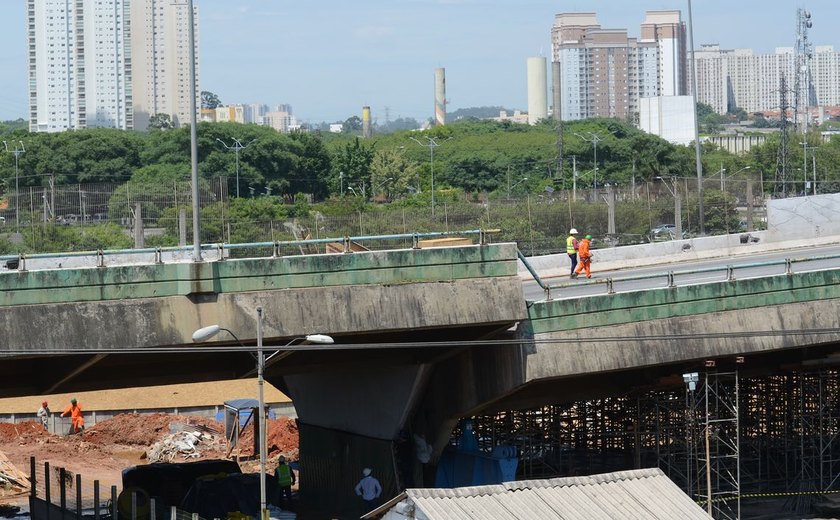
(351, 419)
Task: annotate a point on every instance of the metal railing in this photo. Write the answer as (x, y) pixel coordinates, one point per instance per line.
(345, 245)
(670, 277)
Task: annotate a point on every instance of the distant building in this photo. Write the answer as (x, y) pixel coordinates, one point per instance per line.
(604, 73)
(739, 78)
(281, 119)
(107, 63)
(669, 117)
(336, 128)
(516, 117)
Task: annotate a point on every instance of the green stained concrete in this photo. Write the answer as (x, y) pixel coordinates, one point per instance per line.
(615, 309)
(245, 275)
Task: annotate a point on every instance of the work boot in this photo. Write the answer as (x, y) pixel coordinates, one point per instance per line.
(573, 275)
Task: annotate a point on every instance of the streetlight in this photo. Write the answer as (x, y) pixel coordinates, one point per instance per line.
(236, 146)
(517, 183)
(723, 179)
(594, 138)
(205, 333)
(677, 206)
(379, 185)
(697, 161)
(432, 144)
(17, 151)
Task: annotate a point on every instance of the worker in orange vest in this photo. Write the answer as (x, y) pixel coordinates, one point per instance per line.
(77, 422)
(585, 256)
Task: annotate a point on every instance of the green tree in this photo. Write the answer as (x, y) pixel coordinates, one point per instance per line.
(161, 122)
(209, 100)
(392, 172)
(351, 125)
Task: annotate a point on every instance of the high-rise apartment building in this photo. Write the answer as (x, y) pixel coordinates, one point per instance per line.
(739, 78)
(604, 73)
(107, 63)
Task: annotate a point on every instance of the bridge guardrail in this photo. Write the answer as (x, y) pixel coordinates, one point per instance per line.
(183, 253)
(670, 276)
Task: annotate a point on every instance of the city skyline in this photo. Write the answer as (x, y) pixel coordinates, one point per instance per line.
(379, 53)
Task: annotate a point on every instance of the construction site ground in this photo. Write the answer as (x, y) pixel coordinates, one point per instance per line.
(102, 451)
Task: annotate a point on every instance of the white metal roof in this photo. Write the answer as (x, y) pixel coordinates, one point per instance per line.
(637, 494)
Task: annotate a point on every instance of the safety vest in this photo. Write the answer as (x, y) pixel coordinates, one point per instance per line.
(284, 475)
(570, 245)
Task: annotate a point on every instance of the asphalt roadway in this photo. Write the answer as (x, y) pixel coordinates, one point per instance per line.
(685, 273)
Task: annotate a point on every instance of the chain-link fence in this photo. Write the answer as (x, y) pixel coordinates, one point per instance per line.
(41, 217)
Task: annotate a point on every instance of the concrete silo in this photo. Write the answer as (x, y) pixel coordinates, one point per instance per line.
(366, 129)
(440, 96)
(537, 90)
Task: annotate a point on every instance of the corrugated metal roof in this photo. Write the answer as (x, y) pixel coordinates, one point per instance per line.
(643, 494)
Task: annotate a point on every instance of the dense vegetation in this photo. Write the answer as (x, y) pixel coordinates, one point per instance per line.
(384, 184)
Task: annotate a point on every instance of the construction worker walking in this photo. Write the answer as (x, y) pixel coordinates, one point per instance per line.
(585, 256)
(285, 479)
(572, 250)
(77, 421)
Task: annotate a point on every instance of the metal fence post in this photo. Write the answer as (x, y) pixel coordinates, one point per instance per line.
(78, 496)
(115, 513)
(47, 488)
(62, 489)
(33, 488)
(95, 500)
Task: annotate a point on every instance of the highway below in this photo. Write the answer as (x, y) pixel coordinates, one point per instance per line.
(685, 273)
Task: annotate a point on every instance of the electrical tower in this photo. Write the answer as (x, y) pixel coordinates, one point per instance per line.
(803, 89)
(783, 152)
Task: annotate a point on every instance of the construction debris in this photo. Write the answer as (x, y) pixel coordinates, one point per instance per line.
(11, 478)
(181, 445)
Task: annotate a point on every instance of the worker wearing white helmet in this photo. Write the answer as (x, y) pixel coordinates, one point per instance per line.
(572, 249)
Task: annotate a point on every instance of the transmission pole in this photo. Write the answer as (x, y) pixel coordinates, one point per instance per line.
(802, 89)
(431, 144)
(782, 153)
(236, 147)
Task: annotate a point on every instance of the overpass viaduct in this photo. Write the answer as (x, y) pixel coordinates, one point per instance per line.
(425, 337)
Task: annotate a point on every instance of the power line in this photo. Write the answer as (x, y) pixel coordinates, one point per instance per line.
(204, 348)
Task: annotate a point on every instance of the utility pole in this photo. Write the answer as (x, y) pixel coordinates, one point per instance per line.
(17, 152)
(236, 147)
(196, 205)
(574, 178)
(698, 162)
(594, 138)
(341, 183)
(432, 144)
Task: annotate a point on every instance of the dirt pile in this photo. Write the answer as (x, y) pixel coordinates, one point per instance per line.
(282, 438)
(21, 432)
(131, 429)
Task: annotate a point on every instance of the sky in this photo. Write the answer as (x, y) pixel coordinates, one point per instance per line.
(328, 58)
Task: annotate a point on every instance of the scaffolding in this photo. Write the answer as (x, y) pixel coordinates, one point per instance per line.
(769, 435)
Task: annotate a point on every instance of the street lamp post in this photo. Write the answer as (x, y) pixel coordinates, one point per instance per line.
(517, 183)
(677, 206)
(17, 151)
(698, 162)
(236, 147)
(205, 333)
(432, 144)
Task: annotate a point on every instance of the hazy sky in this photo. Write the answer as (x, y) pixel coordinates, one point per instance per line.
(328, 58)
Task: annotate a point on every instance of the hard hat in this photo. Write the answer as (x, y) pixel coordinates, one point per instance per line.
(73, 401)
(589, 237)
(366, 472)
(573, 231)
